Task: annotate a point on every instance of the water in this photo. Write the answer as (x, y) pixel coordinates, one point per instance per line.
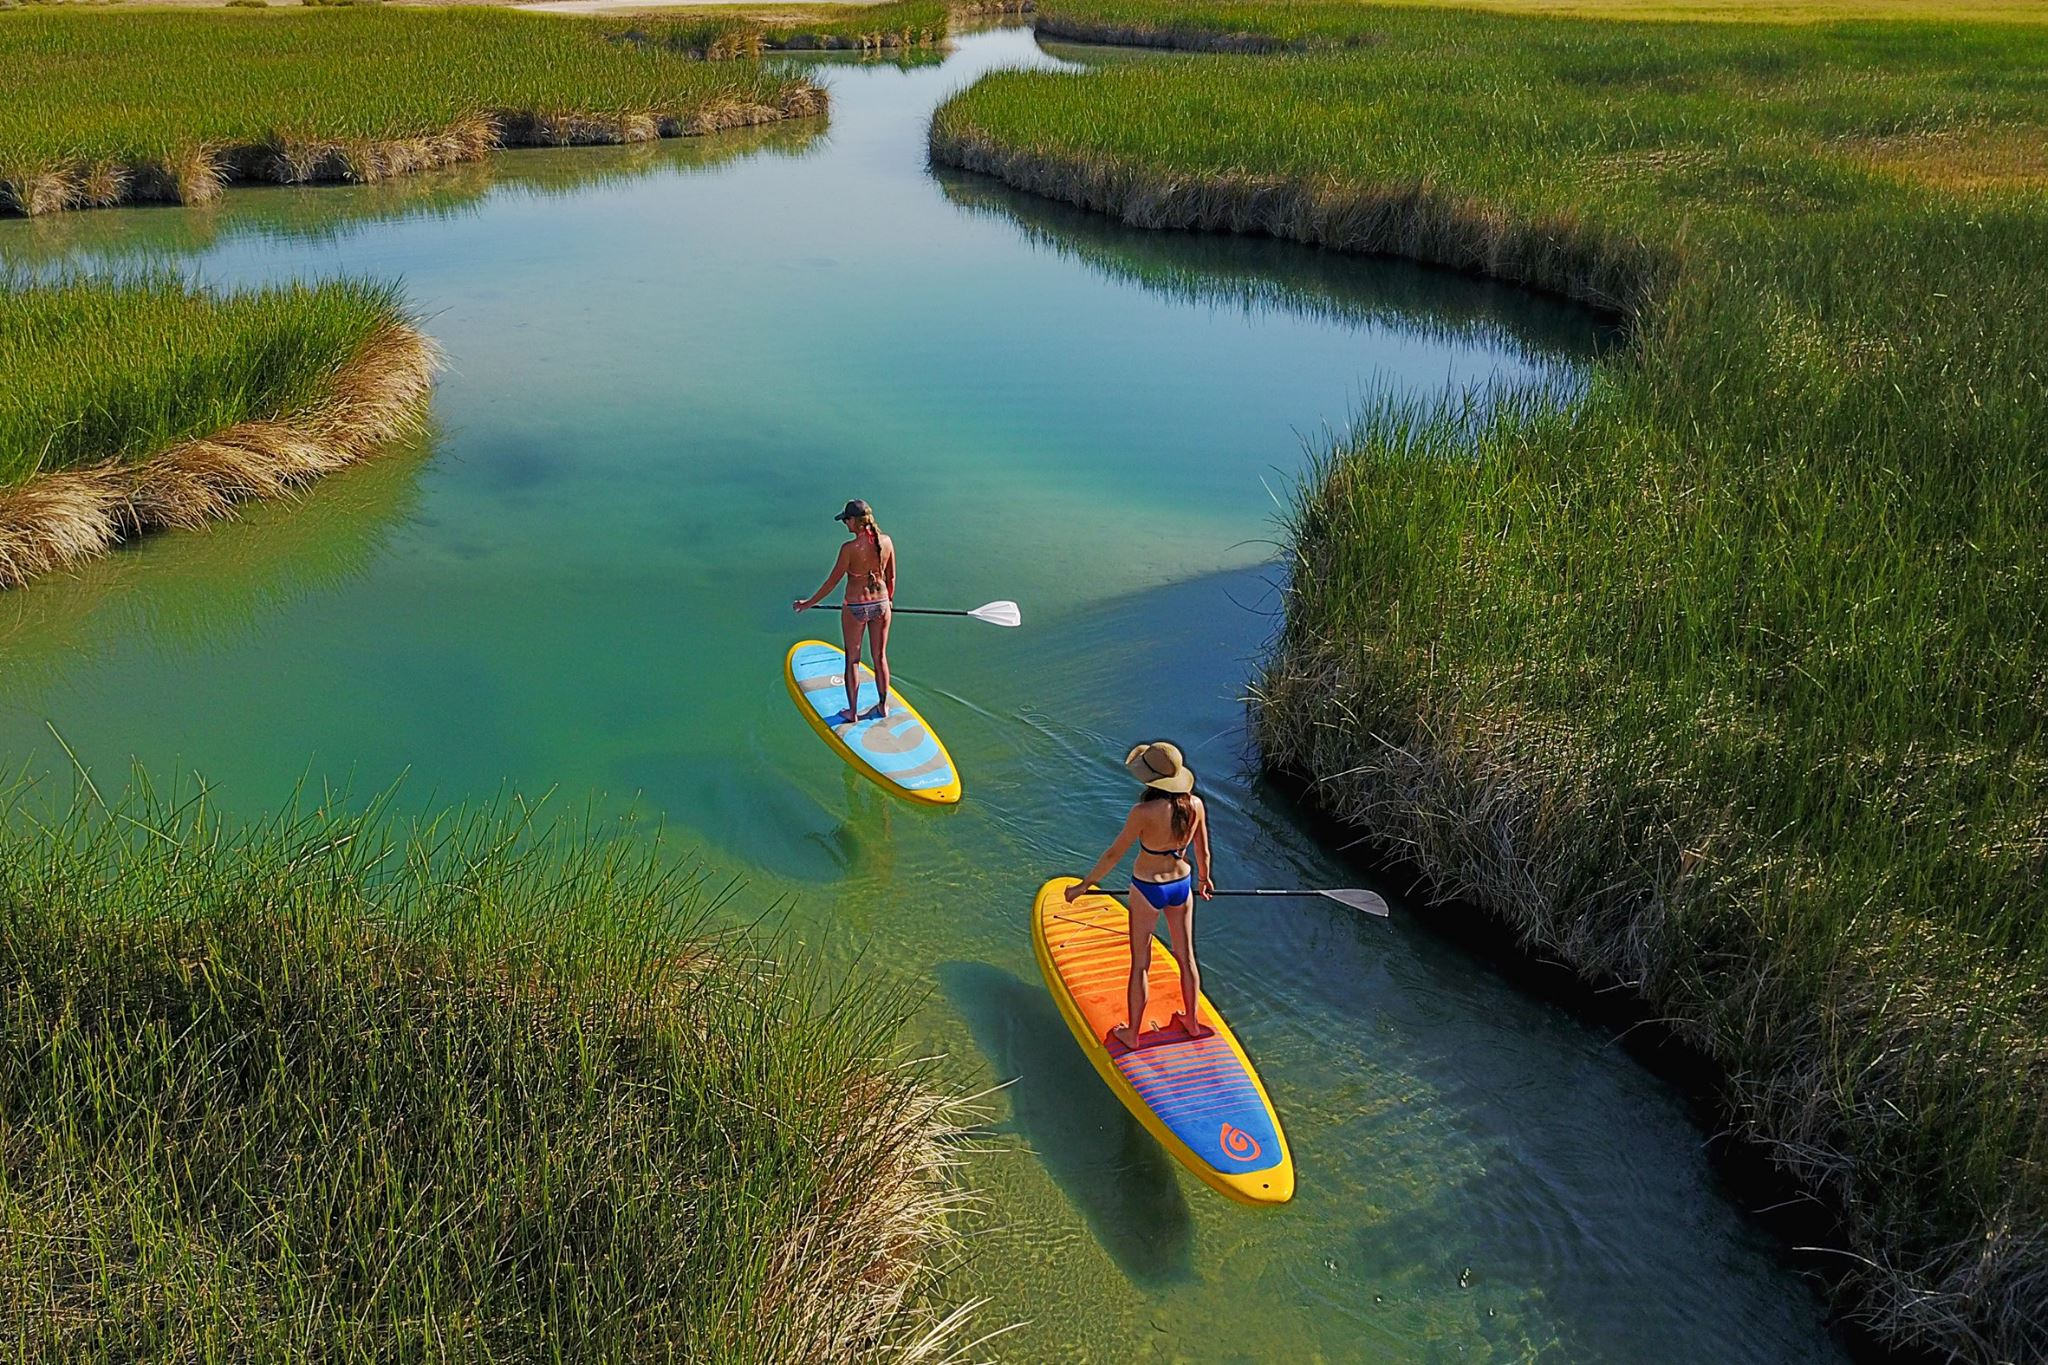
(669, 366)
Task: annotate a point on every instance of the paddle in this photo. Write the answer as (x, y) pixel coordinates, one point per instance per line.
(995, 613)
(1368, 902)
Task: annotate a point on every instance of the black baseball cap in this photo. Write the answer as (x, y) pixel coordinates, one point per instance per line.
(858, 507)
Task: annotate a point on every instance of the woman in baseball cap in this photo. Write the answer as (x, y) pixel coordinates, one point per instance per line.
(1168, 823)
(867, 561)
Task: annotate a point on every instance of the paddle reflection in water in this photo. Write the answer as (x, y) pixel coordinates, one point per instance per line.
(1118, 1178)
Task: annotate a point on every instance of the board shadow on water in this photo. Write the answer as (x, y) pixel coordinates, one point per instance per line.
(820, 826)
(1103, 1160)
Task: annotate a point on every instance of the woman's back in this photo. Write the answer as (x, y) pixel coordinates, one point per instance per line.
(1161, 846)
(867, 561)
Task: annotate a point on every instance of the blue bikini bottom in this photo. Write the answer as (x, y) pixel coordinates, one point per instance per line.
(1165, 895)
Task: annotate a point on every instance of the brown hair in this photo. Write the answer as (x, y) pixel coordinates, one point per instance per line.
(1183, 813)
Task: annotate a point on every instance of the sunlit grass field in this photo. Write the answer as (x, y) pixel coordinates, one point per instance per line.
(94, 95)
(1725, 678)
(1763, 11)
(478, 1089)
(721, 32)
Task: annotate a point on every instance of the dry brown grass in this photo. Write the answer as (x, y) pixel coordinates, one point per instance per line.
(199, 176)
(70, 515)
(1961, 160)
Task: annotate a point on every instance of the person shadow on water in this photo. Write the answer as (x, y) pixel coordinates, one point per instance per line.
(1113, 1171)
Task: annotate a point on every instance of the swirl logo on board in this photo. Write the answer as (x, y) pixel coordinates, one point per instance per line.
(1238, 1145)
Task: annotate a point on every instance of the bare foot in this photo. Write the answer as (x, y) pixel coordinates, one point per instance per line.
(879, 713)
(1193, 1029)
(1123, 1033)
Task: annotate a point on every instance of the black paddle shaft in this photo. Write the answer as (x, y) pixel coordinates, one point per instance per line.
(1368, 902)
(897, 611)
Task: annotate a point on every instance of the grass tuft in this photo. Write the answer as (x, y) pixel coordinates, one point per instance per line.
(193, 402)
(483, 1090)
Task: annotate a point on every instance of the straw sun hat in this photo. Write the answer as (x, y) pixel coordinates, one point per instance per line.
(1159, 765)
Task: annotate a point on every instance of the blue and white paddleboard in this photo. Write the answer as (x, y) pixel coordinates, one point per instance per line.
(900, 752)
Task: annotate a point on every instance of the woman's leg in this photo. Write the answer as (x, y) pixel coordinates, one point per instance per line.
(1143, 917)
(1180, 932)
(878, 645)
(849, 635)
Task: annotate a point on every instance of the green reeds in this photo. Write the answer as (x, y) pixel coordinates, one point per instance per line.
(483, 1089)
(144, 403)
(1722, 678)
(95, 370)
(118, 108)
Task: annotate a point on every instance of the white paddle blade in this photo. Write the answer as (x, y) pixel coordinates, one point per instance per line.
(998, 614)
(1365, 901)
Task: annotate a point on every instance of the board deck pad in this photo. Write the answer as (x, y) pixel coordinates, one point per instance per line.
(901, 752)
(1199, 1096)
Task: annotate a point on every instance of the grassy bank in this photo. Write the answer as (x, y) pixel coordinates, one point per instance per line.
(743, 31)
(299, 1091)
(126, 406)
(1724, 679)
(108, 109)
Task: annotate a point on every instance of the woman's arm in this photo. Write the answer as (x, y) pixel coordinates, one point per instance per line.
(1115, 855)
(1205, 881)
(838, 572)
(889, 570)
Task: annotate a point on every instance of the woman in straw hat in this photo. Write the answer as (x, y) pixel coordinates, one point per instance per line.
(1167, 824)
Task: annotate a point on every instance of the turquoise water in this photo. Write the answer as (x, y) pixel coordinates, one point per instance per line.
(668, 367)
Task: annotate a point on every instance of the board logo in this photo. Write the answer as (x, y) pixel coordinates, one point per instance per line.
(1239, 1145)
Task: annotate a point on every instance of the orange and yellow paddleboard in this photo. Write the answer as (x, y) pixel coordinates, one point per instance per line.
(1199, 1096)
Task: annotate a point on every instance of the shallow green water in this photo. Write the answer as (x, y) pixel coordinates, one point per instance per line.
(668, 367)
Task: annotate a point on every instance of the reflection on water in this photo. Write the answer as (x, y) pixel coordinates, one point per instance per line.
(204, 589)
(668, 366)
(1245, 274)
(316, 213)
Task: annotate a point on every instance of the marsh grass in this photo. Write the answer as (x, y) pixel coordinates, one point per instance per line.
(479, 1088)
(132, 404)
(1724, 677)
(108, 109)
(746, 31)
(168, 362)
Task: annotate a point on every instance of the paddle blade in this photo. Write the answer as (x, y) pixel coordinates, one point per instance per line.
(998, 614)
(1365, 901)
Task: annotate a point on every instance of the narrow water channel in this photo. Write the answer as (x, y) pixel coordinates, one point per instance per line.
(669, 366)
